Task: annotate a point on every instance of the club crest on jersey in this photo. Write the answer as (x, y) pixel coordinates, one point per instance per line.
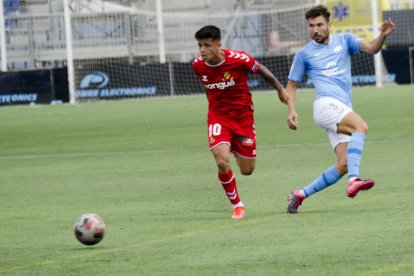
(226, 75)
(211, 140)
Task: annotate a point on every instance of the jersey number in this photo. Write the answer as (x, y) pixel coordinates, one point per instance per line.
(214, 130)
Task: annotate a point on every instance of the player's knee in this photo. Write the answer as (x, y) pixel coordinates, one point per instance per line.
(247, 170)
(363, 128)
(223, 165)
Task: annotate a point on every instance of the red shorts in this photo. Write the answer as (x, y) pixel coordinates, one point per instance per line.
(239, 133)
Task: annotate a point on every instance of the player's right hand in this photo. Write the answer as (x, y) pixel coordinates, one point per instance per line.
(283, 96)
(292, 120)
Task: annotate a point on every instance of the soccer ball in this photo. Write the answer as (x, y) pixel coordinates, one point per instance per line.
(89, 229)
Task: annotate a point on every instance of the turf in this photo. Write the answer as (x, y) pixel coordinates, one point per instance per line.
(145, 167)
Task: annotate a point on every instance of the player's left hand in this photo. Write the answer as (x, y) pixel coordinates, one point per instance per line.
(387, 27)
(292, 120)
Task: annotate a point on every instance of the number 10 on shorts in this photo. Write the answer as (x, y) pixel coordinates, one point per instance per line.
(214, 130)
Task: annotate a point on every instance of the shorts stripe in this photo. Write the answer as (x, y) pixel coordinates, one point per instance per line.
(247, 157)
(219, 144)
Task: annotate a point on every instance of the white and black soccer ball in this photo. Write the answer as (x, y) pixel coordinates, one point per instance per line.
(89, 229)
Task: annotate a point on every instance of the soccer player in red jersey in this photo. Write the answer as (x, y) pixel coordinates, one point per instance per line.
(230, 122)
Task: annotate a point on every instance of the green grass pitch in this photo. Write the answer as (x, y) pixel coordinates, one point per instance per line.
(145, 167)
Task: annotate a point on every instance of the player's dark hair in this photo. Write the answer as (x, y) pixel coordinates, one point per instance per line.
(208, 31)
(319, 10)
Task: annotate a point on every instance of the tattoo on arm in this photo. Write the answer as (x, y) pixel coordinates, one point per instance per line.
(270, 78)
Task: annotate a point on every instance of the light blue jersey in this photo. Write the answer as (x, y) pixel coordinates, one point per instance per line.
(328, 66)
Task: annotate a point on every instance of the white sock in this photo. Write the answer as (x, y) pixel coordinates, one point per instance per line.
(352, 179)
(240, 204)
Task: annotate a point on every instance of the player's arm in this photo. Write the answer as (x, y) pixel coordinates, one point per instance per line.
(374, 46)
(272, 80)
(292, 120)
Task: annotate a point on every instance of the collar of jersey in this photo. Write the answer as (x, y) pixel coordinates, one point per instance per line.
(218, 64)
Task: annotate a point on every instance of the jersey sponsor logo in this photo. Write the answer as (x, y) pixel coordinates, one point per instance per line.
(221, 85)
(332, 69)
(239, 55)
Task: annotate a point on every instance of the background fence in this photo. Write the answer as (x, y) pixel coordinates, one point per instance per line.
(137, 48)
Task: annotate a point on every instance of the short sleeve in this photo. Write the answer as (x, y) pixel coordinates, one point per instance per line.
(252, 64)
(195, 67)
(298, 68)
(353, 42)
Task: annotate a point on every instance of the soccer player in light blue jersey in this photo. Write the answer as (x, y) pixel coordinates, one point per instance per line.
(326, 59)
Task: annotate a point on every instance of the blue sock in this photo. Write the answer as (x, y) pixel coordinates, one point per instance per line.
(327, 178)
(355, 149)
